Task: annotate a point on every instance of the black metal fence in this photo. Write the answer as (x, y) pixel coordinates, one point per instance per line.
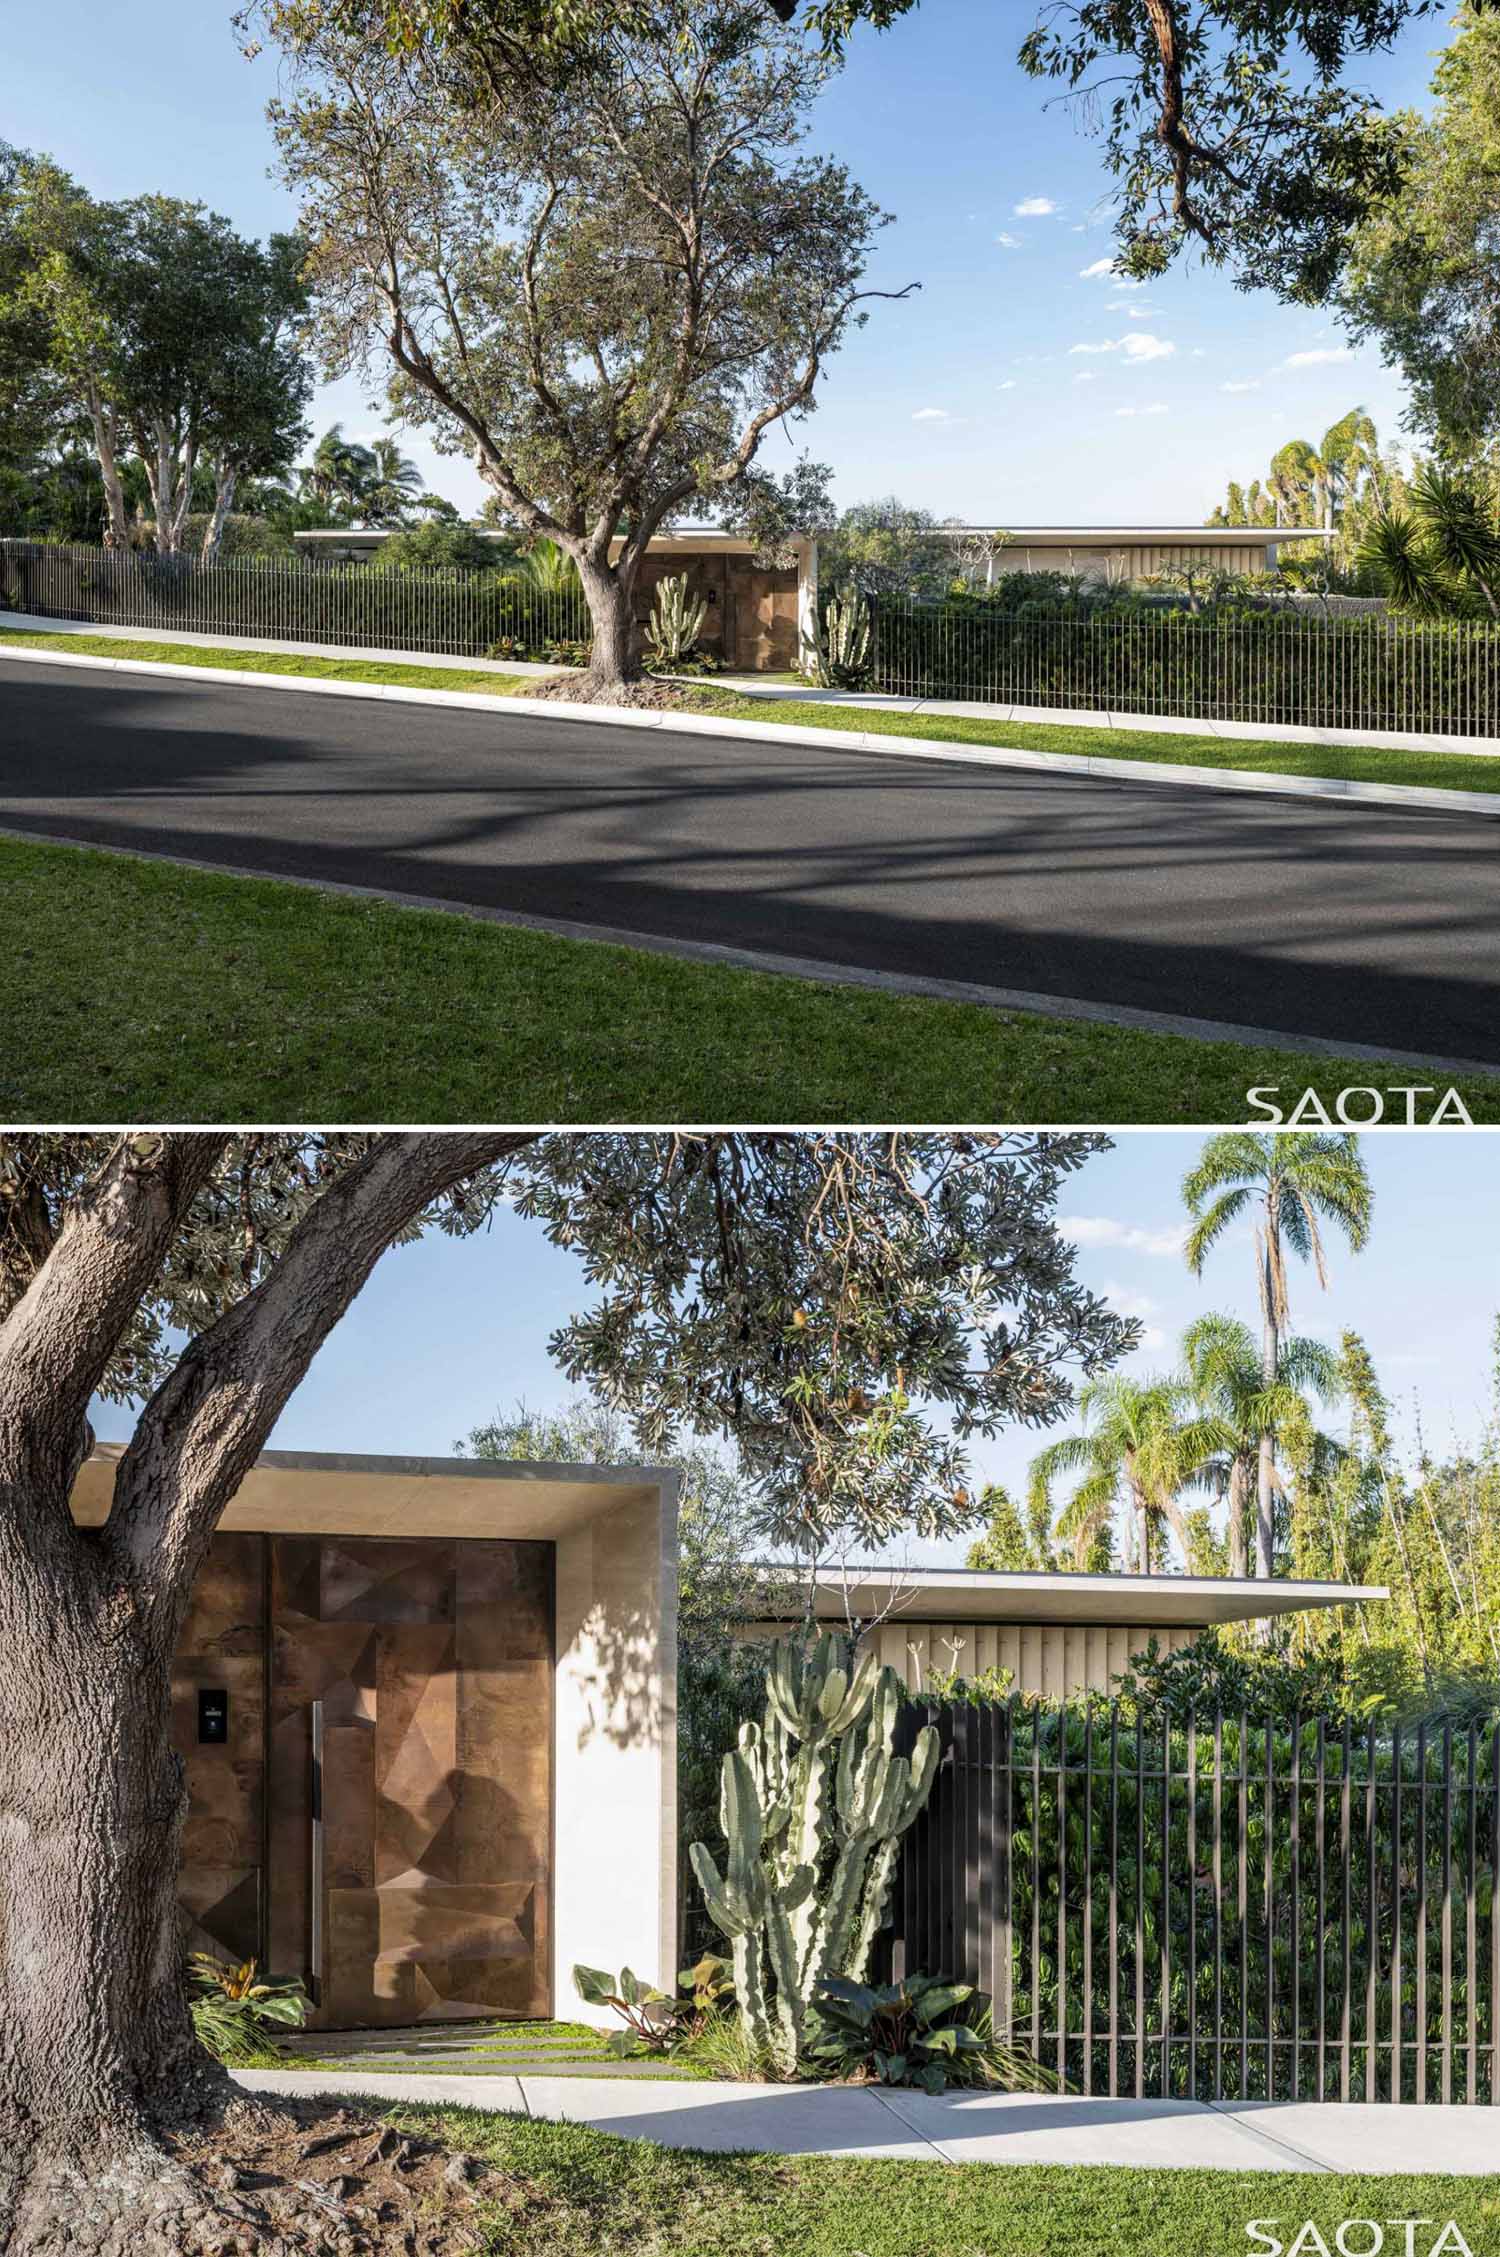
(1386, 673)
(466, 613)
(1231, 1908)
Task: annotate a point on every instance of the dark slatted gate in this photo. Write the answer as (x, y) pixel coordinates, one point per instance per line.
(1234, 1907)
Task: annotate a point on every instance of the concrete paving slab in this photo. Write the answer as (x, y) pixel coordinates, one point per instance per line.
(984, 2127)
(501, 2093)
(771, 2119)
(1378, 2136)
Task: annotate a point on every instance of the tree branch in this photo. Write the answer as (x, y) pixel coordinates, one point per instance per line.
(55, 1344)
(203, 1429)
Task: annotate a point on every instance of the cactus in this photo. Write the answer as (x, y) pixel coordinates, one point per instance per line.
(839, 653)
(676, 621)
(805, 1885)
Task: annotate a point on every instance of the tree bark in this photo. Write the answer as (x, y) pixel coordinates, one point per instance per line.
(97, 2052)
(213, 533)
(614, 659)
(96, 2042)
(1239, 1482)
(117, 527)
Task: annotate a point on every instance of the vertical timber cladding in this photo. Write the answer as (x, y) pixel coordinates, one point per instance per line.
(432, 1661)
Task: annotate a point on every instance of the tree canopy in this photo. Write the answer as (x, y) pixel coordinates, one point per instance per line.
(607, 287)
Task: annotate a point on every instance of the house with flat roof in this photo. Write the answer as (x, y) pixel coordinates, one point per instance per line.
(1057, 1634)
(427, 1713)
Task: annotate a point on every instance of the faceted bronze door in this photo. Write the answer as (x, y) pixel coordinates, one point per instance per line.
(410, 1776)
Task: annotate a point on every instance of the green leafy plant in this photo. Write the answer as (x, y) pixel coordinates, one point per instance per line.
(839, 652)
(234, 2011)
(657, 2021)
(906, 2033)
(676, 623)
(805, 1887)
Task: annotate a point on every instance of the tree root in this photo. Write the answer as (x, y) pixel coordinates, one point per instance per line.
(294, 2178)
(582, 689)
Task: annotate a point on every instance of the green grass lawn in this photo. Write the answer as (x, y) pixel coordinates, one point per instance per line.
(414, 677)
(1358, 763)
(134, 990)
(574, 2189)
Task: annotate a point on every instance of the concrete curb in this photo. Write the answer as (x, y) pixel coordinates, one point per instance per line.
(1413, 797)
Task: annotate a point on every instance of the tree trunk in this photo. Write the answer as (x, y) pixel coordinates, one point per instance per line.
(97, 2050)
(1239, 1482)
(213, 532)
(117, 528)
(614, 659)
(1265, 1470)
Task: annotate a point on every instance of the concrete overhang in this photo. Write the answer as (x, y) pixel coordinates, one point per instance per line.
(337, 1493)
(1141, 536)
(950, 1595)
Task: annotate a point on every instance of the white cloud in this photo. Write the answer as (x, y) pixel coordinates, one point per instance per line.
(1034, 207)
(1200, 352)
(1154, 407)
(932, 415)
(1099, 267)
(1137, 345)
(1008, 386)
(1105, 270)
(1007, 241)
(1085, 376)
(1319, 357)
(1104, 1230)
(1241, 384)
(1129, 1300)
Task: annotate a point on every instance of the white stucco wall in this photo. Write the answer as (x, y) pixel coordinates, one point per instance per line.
(615, 1813)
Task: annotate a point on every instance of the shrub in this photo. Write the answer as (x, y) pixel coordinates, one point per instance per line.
(234, 2014)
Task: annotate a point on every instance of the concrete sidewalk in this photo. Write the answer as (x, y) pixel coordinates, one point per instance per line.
(961, 2127)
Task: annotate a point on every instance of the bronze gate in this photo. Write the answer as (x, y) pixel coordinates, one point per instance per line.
(375, 1815)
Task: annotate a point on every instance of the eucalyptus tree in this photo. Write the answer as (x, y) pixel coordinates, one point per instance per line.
(1138, 1447)
(849, 1308)
(1293, 1183)
(172, 334)
(1224, 1377)
(607, 285)
(1422, 279)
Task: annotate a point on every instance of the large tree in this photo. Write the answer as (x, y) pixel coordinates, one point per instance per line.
(1424, 279)
(848, 1308)
(1231, 125)
(607, 285)
(170, 333)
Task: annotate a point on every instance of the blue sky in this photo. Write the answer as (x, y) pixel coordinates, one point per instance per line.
(974, 399)
(447, 1331)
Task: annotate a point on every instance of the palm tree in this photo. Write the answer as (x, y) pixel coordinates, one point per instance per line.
(1298, 1182)
(340, 474)
(1137, 1446)
(394, 485)
(1223, 1374)
(549, 569)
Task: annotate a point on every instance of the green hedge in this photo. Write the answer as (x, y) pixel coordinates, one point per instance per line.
(467, 613)
(1261, 667)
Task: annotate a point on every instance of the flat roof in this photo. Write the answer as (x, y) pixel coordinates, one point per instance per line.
(339, 1493)
(928, 1594)
(1146, 533)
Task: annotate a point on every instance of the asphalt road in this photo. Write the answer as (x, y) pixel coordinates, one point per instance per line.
(1358, 925)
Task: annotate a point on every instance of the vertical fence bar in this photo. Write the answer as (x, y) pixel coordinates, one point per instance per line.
(1445, 1942)
(1218, 1825)
(1192, 1919)
(1088, 1898)
(1419, 1948)
(1140, 1908)
(1062, 1892)
(1114, 1897)
(1397, 2080)
(1346, 1927)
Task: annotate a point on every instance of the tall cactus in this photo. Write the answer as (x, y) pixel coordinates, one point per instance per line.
(804, 1889)
(676, 621)
(839, 652)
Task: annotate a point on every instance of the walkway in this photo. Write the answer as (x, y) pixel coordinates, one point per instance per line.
(957, 2127)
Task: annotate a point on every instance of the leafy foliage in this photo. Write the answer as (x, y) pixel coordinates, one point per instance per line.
(235, 2012)
(605, 284)
(906, 2033)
